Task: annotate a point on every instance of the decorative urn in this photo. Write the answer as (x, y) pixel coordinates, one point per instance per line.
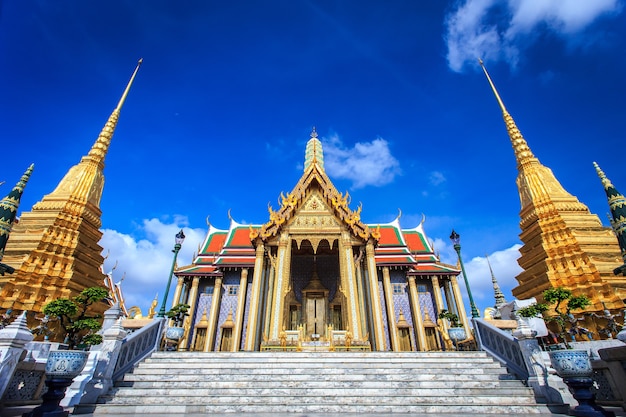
(66, 363)
(571, 363)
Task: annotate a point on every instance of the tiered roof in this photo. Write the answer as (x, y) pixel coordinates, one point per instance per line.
(395, 247)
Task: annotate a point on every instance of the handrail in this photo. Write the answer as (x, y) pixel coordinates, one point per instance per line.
(502, 346)
(136, 346)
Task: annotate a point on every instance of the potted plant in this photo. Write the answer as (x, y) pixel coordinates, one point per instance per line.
(80, 329)
(455, 330)
(73, 316)
(177, 316)
(557, 296)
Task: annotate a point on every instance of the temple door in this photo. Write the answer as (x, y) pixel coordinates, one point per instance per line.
(316, 308)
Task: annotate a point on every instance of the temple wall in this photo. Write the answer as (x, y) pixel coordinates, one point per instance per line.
(426, 299)
(228, 303)
(401, 301)
(246, 310)
(383, 306)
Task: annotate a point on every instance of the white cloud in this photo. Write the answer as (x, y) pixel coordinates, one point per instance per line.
(505, 269)
(436, 178)
(367, 163)
(498, 29)
(146, 262)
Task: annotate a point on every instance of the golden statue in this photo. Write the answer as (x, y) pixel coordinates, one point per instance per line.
(444, 335)
(153, 307)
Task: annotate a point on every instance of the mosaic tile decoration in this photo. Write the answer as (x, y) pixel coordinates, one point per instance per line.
(246, 311)
(383, 306)
(227, 304)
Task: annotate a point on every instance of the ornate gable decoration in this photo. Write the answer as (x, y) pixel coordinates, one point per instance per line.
(299, 199)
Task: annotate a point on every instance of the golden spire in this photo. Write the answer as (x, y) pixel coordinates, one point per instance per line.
(85, 180)
(314, 155)
(523, 154)
(100, 148)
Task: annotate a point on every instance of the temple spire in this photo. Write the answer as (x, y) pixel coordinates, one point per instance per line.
(617, 204)
(8, 208)
(314, 155)
(101, 146)
(523, 154)
(500, 300)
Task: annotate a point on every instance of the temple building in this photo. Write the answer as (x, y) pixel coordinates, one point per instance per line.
(54, 249)
(564, 244)
(314, 273)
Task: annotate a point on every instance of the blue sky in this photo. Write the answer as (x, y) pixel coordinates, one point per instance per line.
(228, 93)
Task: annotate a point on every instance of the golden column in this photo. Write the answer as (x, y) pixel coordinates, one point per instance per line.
(178, 291)
(360, 292)
(346, 266)
(438, 299)
(418, 321)
(270, 293)
(460, 307)
(241, 305)
(391, 313)
(377, 315)
(281, 284)
(213, 315)
(253, 313)
(192, 301)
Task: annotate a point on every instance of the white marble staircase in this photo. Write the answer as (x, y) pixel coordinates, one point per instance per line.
(376, 383)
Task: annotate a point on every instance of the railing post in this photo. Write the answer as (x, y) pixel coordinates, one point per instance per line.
(13, 338)
(109, 351)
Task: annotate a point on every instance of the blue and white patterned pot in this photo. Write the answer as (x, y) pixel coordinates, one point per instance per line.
(66, 363)
(174, 333)
(571, 363)
(456, 333)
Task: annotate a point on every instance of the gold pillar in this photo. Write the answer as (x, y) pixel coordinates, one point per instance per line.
(192, 301)
(253, 312)
(438, 300)
(178, 291)
(213, 315)
(391, 313)
(460, 307)
(418, 321)
(346, 266)
(377, 315)
(281, 284)
(270, 293)
(360, 293)
(241, 305)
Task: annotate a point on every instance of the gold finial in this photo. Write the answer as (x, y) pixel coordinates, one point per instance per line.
(99, 149)
(493, 87)
(130, 83)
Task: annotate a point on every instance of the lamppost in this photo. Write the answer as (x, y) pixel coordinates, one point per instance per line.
(180, 237)
(456, 241)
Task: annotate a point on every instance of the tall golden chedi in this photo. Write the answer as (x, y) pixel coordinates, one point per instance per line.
(564, 244)
(54, 248)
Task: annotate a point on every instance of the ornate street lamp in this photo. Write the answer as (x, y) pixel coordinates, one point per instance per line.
(180, 237)
(456, 241)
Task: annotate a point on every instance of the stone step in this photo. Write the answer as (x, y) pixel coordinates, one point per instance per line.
(469, 383)
(269, 398)
(338, 409)
(331, 383)
(301, 392)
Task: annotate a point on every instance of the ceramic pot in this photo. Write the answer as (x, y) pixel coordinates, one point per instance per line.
(174, 333)
(571, 363)
(456, 334)
(66, 363)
